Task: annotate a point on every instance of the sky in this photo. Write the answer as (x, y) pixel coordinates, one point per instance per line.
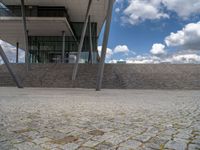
(150, 31)
(155, 31)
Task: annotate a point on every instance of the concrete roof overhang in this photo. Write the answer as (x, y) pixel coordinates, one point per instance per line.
(76, 8)
(11, 28)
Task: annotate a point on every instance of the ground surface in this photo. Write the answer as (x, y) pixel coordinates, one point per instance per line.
(112, 119)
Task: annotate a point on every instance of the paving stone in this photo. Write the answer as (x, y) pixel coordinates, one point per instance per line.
(27, 146)
(6, 146)
(41, 140)
(112, 119)
(105, 145)
(194, 147)
(91, 143)
(117, 139)
(196, 141)
(156, 143)
(70, 146)
(178, 145)
(49, 146)
(184, 134)
(144, 137)
(65, 140)
(131, 144)
(123, 148)
(96, 132)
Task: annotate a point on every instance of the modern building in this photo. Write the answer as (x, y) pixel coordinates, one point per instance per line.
(56, 31)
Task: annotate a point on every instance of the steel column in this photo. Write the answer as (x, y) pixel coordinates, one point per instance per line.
(25, 34)
(6, 61)
(81, 41)
(17, 53)
(104, 47)
(63, 47)
(91, 44)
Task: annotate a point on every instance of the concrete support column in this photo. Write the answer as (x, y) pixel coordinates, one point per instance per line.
(17, 53)
(25, 34)
(81, 41)
(90, 60)
(6, 61)
(63, 47)
(104, 47)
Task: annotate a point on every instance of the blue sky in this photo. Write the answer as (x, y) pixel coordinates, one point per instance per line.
(140, 24)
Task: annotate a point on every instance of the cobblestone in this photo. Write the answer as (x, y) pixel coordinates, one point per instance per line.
(82, 119)
(131, 144)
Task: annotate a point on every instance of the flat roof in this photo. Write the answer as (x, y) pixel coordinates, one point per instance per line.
(76, 8)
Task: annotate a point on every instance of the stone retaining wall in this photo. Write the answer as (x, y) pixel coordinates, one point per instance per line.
(116, 76)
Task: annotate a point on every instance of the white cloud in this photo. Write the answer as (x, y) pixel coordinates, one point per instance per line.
(121, 49)
(181, 57)
(114, 61)
(183, 8)
(187, 38)
(158, 49)
(117, 10)
(185, 58)
(143, 60)
(140, 10)
(109, 52)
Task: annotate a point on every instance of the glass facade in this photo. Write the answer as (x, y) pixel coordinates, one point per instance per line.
(48, 49)
(45, 49)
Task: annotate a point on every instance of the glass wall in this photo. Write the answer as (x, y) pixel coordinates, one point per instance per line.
(48, 49)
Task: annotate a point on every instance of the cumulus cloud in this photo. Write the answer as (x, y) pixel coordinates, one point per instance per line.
(187, 38)
(115, 61)
(158, 49)
(121, 49)
(183, 8)
(140, 10)
(189, 58)
(143, 60)
(186, 41)
(184, 58)
(109, 52)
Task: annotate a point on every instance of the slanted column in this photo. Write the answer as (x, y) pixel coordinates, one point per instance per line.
(17, 53)
(81, 41)
(6, 61)
(25, 34)
(104, 47)
(90, 59)
(63, 47)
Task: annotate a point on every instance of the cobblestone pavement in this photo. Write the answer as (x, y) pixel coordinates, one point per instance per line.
(70, 119)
